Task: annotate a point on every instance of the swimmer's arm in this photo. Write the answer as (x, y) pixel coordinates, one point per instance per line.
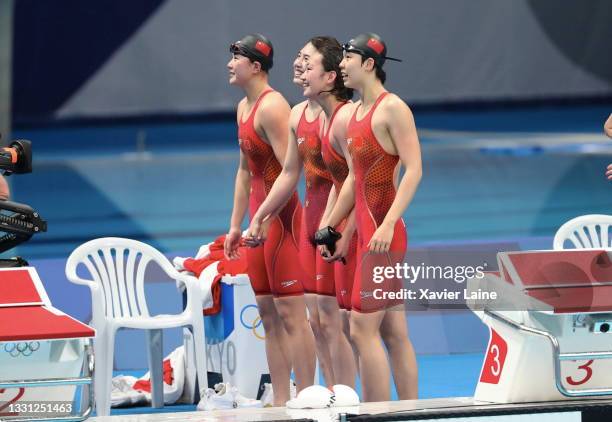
(242, 190)
(346, 197)
(402, 129)
(274, 122)
(608, 126)
(345, 202)
(5, 192)
(349, 228)
(273, 116)
(331, 200)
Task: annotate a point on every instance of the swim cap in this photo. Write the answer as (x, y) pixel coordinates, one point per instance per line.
(313, 397)
(257, 48)
(369, 45)
(345, 396)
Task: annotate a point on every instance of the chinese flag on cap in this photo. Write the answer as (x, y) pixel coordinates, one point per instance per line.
(263, 48)
(376, 45)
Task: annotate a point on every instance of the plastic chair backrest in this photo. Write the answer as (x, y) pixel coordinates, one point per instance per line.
(587, 231)
(117, 266)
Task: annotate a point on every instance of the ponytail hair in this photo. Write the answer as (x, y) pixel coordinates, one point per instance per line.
(331, 50)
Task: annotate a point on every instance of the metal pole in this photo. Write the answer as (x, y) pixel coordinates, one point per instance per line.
(6, 67)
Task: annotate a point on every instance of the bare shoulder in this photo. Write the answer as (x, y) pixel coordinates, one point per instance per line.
(393, 108)
(296, 113)
(240, 108)
(344, 114)
(274, 101)
(341, 121)
(392, 102)
(348, 109)
(273, 112)
(273, 109)
(299, 107)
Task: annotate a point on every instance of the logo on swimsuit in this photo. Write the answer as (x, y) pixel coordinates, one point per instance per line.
(288, 283)
(366, 294)
(300, 140)
(342, 292)
(320, 276)
(349, 141)
(244, 143)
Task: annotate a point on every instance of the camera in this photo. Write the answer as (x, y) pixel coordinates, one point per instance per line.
(18, 221)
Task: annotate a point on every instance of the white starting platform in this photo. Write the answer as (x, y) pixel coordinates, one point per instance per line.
(46, 361)
(550, 327)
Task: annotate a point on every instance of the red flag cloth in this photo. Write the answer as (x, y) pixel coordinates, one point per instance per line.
(226, 266)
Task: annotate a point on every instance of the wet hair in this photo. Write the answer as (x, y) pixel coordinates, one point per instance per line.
(331, 50)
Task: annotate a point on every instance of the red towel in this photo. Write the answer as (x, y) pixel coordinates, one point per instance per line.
(225, 267)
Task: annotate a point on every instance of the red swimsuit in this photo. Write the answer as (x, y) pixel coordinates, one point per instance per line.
(271, 267)
(319, 274)
(343, 274)
(374, 193)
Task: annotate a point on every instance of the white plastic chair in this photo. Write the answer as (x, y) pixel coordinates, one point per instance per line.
(117, 267)
(585, 232)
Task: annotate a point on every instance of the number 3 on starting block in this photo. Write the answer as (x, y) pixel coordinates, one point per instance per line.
(587, 371)
(494, 362)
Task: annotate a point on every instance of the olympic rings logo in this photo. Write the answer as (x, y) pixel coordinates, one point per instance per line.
(21, 348)
(253, 326)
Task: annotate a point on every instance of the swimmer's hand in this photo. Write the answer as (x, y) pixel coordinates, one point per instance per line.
(381, 240)
(342, 249)
(257, 232)
(608, 126)
(231, 244)
(609, 172)
(327, 237)
(324, 252)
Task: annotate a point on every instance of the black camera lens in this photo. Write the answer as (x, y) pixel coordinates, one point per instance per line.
(604, 328)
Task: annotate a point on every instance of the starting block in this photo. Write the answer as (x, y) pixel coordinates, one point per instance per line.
(46, 356)
(550, 329)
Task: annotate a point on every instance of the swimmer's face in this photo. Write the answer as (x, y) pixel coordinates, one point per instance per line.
(315, 79)
(352, 70)
(298, 67)
(299, 64)
(241, 69)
